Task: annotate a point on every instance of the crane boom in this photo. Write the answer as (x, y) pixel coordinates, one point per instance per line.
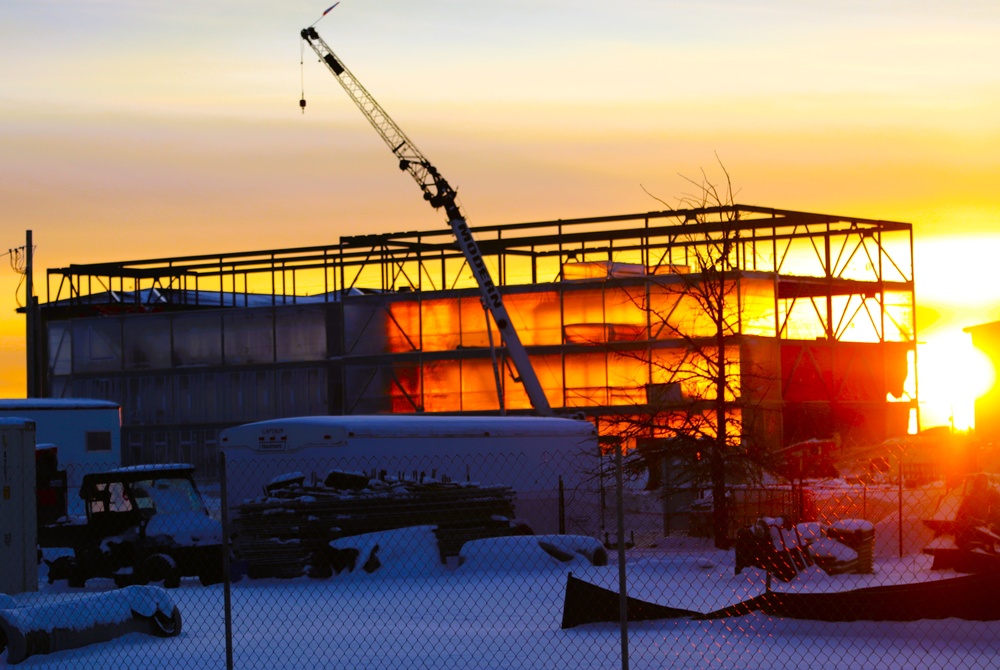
(439, 193)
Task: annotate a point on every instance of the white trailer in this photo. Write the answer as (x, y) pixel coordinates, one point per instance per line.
(87, 432)
(551, 463)
(18, 549)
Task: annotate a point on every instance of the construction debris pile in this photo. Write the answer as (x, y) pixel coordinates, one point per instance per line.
(287, 532)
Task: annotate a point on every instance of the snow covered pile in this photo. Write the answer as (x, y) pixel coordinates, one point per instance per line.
(530, 553)
(79, 612)
(407, 552)
(78, 621)
(786, 550)
(413, 552)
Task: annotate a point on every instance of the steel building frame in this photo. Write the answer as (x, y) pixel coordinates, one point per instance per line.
(825, 250)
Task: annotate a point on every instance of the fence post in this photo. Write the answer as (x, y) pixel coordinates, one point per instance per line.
(622, 582)
(562, 507)
(900, 505)
(226, 575)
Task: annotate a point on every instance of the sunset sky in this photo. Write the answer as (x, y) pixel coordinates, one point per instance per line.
(135, 129)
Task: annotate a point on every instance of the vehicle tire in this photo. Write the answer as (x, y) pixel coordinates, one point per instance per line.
(123, 580)
(210, 576)
(64, 567)
(164, 625)
(160, 568)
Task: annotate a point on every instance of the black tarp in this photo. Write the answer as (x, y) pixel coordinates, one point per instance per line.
(589, 603)
(971, 597)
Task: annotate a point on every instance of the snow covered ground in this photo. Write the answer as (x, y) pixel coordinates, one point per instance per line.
(503, 606)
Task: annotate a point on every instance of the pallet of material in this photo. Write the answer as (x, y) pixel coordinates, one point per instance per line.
(286, 532)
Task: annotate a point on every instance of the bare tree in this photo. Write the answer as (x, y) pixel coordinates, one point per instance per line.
(699, 410)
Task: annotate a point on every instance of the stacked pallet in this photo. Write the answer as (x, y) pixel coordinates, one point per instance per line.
(287, 532)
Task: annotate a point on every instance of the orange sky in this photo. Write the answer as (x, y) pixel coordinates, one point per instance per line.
(132, 131)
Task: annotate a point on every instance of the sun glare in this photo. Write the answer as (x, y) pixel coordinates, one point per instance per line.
(953, 374)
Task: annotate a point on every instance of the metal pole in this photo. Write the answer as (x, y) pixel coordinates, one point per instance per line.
(622, 584)
(562, 507)
(667, 492)
(30, 322)
(900, 505)
(496, 367)
(226, 575)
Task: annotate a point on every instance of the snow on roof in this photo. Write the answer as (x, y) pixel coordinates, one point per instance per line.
(158, 467)
(20, 404)
(199, 298)
(398, 425)
(15, 421)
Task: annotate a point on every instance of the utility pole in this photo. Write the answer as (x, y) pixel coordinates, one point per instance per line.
(31, 321)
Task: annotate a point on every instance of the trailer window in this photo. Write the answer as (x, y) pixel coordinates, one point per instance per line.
(98, 440)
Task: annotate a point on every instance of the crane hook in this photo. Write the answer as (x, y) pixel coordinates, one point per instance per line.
(302, 104)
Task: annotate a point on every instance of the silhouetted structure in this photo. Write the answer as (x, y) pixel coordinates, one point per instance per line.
(986, 338)
(393, 323)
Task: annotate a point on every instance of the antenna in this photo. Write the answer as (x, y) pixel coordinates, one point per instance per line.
(327, 11)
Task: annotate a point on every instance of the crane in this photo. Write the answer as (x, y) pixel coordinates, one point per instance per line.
(439, 193)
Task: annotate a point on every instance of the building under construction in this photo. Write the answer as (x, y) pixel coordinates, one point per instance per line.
(814, 314)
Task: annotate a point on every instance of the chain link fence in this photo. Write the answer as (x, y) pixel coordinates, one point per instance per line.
(508, 561)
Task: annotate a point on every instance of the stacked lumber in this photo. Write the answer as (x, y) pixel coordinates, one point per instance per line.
(286, 533)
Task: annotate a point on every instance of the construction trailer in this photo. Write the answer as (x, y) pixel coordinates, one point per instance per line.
(85, 432)
(18, 548)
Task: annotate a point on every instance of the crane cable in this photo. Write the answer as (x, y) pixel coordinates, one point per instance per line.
(302, 57)
(302, 74)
